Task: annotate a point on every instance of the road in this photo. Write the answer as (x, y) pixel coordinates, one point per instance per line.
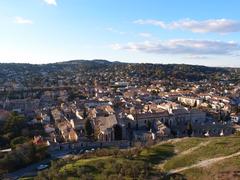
(31, 170)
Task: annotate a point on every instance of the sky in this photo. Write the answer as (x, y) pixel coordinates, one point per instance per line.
(204, 32)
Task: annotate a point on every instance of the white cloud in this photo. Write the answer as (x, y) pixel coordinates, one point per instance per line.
(182, 46)
(51, 2)
(210, 25)
(144, 34)
(151, 22)
(21, 20)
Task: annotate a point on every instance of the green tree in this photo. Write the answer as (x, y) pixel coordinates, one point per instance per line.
(88, 128)
(22, 155)
(149, 125)
(189, 129)
(85, 113)
(195, 104)
(14, 124)
(118, 132)
(18, 140)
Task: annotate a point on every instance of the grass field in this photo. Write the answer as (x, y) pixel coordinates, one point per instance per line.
(102, 167)
(156, 154)
(191, 151)
(215, 148)
(227, 169)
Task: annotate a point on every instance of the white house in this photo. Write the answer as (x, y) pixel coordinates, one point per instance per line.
(235, 118)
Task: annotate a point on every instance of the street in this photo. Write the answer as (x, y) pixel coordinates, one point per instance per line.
(31, 170)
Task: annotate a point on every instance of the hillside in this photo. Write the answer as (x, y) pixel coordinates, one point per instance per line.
(198, 158)
(112, 69)
(187, 158)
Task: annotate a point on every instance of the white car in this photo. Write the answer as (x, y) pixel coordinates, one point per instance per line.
(42, 167)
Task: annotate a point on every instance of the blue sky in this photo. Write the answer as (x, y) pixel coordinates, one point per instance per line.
(203, 32)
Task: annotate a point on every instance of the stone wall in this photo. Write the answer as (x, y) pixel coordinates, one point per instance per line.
(89, 145)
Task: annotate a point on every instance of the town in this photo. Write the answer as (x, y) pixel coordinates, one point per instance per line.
(119, 90)
(111, 104)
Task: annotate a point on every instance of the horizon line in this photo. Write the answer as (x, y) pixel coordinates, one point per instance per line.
(114, 61)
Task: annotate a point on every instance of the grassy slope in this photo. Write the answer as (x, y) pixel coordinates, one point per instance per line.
(98, 164)
(172, 155)
(216, 147)
(156, 154)
(226, 169)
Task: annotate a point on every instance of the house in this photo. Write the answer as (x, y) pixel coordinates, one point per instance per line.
(72, 136)
(197, 116)
(167, 117)
(49, 129)
(162, 130)
(106, 125)
(190, 101)
(78, 124)
(57, 115)
(67, 131)
(180, 117)
(235, 118)
(22, 105)
(39, 140)
(144, 118)
(142, 135)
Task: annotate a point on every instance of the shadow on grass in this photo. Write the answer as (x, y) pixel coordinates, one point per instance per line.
(165, 176)
(221, 143)
(157, 154)
(175, 176)
(87, 168)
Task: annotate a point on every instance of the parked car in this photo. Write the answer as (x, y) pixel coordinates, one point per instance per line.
(42, 167)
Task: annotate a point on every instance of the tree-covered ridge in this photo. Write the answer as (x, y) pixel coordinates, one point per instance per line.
(31, 74)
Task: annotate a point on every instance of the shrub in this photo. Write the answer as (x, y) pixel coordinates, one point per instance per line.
(18, 140)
